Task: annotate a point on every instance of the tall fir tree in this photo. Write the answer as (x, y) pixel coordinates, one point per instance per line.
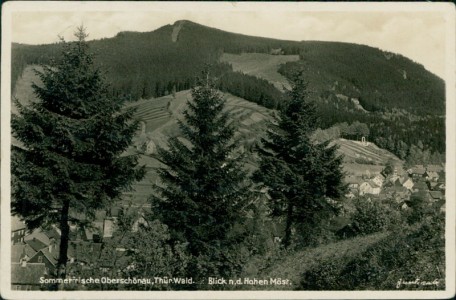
(204, 187)
(303, 178)
(70, 159)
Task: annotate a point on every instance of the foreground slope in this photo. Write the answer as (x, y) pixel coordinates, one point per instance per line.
(292, 266)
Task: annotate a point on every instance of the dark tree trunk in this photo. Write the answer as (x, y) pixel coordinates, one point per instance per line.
(287, 238)
(64, 239)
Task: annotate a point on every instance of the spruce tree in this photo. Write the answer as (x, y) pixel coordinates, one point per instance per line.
(70, 159)
(301, 176)
(204, 187)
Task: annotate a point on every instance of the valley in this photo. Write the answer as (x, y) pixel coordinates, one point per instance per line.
(310, 216)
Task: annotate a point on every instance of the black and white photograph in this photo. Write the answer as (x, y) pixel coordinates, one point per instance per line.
(227, 150)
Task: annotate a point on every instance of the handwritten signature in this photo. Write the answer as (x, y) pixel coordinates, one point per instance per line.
(416, 282)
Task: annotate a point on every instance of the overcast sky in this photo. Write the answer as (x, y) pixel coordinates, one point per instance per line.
(419, 35)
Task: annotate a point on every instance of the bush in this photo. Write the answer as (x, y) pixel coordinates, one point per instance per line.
(410, 253)
(374, 216)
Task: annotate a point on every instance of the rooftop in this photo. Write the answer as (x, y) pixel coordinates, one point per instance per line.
(18, 250)
(436, 194)
(36, 244)
(352, 179)
(28, 273)
(40, 235)
(17, 224)
(434, 168)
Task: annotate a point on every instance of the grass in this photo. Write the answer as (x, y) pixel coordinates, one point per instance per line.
(161, 114)
(260, 65)
(353, 150)
(294, 265)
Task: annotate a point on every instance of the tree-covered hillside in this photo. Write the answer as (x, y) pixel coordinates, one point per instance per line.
(158, 62)
(401, 103)
(379, 80)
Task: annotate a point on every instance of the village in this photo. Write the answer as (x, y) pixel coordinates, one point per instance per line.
(34, 254)
(400, 184)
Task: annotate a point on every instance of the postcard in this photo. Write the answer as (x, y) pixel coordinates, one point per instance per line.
(227, 150)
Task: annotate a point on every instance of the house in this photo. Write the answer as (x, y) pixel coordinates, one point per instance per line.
(432, 185)
(400, 193)
(431, 175)
(114, 212)
(25, 276)
(21, 252)
(53, 233)
(108, 228)
(84, 253)
(48, 258)
(352, 181)
(420, 186)
(435, 196)
(88, 233)
(36, 244)
(351, 194)
(392, 178)
(378, 179)
(417, 171)
(40, 235)
(365, 188)
(369, 187)
(18, 229)
(434, 168)
(407, 183)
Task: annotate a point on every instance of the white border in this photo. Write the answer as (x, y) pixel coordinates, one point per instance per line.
(8, 8)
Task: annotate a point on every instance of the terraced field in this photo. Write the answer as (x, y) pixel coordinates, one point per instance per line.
(160, 115)
(160, 119)
(355, 151)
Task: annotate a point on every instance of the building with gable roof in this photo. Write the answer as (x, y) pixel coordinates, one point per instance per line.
(407, 183)
(36, 244)
(434, 168)
(431, 175)
(378, 179)
(26, 276)
(21, 252)
(18, 230)
(417, 171)
(40, 235)
(48, 258)
(369, 187)
(435, 196)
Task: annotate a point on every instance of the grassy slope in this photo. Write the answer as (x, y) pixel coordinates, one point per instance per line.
(356, 150)
(161, 122)
(260, 65)
(294, 265)
(248, 117)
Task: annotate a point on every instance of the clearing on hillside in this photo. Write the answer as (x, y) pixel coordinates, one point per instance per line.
(364, 153)
(261, 65)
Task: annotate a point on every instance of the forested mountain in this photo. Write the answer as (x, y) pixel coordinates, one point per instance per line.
(396, 98)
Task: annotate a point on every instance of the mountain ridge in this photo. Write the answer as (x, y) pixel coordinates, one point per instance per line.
(398, 96)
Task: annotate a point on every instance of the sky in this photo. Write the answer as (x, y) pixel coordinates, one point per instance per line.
(419, 34)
